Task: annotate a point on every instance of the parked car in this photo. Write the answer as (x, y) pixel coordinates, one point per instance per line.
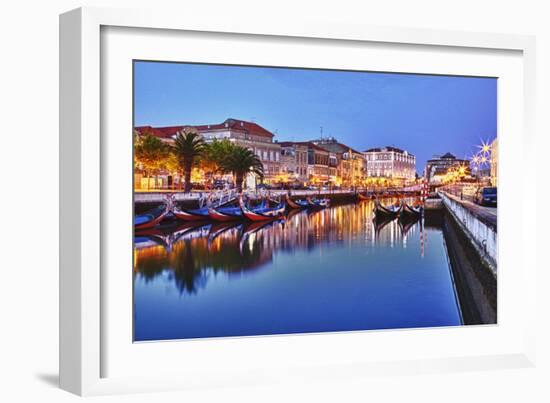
(486, 196)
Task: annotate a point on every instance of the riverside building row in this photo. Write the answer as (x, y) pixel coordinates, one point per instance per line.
(321, 162)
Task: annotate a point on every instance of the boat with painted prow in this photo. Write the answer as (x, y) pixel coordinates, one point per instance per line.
(225, 214)
(385, 212)
(296, 204)
(153, 217)
(191, 214)
(262, 213)
(411, 212)
(318, 203)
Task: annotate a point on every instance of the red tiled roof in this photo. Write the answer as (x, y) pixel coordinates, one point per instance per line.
(154, 131)
(237, 125)
(170, 131)
(233, 124)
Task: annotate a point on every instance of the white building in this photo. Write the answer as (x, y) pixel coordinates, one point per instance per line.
(390, 162)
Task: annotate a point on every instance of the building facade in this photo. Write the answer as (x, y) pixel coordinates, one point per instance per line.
(318, 172)
(294, 161)
(332, 168)
(349, 170)
(438, 166)
(390, 162)
(240, 132)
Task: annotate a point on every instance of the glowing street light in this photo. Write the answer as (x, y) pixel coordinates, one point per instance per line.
(485, 147)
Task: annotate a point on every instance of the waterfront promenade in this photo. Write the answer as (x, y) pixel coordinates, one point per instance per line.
(478, 224)
(485, 214)
(159, 197)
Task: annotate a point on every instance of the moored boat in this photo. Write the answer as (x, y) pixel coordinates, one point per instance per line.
(362, 197)
(191, 214)
(318, 203)
(411, 212)
(386, 212)
(225, 214)
(153, 217)
(262, 213)
(296, 204)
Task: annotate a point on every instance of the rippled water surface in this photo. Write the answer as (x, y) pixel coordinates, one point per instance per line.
(327, 270)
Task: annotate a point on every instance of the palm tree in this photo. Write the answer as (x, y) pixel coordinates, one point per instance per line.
(188, 147)
(150, 154)
(240, 161)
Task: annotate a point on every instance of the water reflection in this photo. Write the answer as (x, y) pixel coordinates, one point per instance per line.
(192, 256)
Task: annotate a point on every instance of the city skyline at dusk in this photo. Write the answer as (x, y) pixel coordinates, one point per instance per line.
(348, 200)
(423, 114)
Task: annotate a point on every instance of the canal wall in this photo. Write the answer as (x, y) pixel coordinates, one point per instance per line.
(474, 280)
(470, 240)
(480, 228)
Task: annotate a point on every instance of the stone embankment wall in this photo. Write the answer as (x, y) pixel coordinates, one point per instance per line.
(480, 229)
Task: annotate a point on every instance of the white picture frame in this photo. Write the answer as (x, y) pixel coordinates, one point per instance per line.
(84, 199)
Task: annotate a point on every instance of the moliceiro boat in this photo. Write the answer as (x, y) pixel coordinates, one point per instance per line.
(386, 212)
(296, 204)
(153, 217)
(411, 212)
(225, 214)
(262, 213)
(191, 214)
(318, 203)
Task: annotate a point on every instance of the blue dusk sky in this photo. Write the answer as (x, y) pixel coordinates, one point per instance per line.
(423, 114)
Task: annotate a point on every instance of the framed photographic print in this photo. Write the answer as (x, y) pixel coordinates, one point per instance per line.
(245, 205)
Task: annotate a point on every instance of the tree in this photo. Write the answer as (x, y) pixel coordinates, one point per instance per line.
(214, 154)
(150, 153)
(172, 165)
(188, 147)
(241, 161)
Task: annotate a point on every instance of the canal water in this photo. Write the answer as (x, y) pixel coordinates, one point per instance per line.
(316, 271)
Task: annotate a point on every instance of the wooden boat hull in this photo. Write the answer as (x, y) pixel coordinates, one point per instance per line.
(153, 222)
(322, 203)
(191, 215)
(295, 204)
(382, 212)
(220, 216)
(262, 214)
(409, 212)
